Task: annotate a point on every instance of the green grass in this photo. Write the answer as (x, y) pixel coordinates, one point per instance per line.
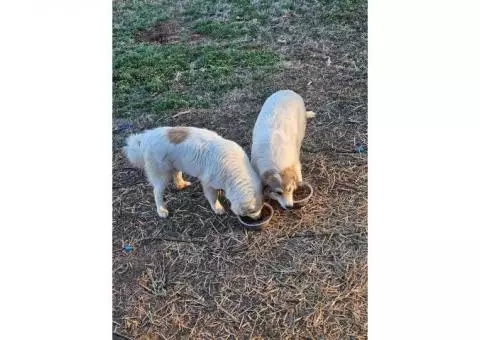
(233, 9)
(235, 48)
(146, 75)
(158, 79)
(224, 30)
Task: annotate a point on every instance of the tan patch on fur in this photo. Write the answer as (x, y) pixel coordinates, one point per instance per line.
(288, 175)
(176, 135)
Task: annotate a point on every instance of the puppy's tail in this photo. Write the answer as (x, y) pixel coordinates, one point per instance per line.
(310, 114)
(134, 150)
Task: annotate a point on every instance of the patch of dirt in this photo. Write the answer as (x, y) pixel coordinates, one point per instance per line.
(162, 33)
(165, 32)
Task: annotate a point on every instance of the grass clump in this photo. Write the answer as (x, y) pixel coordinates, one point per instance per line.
(224, 30)
(157, 78)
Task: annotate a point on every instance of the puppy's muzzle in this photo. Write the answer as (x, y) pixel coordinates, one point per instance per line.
(255, 215)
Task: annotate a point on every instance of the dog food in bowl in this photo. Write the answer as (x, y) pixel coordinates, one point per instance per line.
(302, 194)
(265, 216)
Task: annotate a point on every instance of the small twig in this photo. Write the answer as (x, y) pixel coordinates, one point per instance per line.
(311, 150)
(124, 267)
(147, 289)
(181, 113)
(326, 234)
(169, 239)
(352, 121)
(227, 312)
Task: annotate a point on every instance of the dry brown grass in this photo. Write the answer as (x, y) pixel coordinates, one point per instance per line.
(201, 276)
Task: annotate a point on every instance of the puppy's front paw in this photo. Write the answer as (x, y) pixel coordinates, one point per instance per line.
(183, 185)
(219, 209)
(162, 212)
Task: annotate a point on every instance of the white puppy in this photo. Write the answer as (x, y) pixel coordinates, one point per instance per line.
(164, 153)
(277, 139)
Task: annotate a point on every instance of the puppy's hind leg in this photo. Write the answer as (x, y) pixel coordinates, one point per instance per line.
(180, 183)
(160, 181)
(211, 195)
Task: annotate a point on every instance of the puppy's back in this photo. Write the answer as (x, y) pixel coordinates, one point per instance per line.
(279, 128)
(283, 112)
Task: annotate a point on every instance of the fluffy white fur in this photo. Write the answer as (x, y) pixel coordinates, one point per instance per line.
(219, 164)
(277, 139)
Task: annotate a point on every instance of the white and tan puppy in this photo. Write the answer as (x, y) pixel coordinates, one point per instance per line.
(164, 153)
(277, 139)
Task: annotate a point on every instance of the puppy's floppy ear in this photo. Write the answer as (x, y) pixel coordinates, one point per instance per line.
(272, 179)
(278, 179)
(266, 191)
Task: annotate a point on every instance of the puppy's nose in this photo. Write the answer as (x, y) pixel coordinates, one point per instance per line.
(255, 215)
(286, 205)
